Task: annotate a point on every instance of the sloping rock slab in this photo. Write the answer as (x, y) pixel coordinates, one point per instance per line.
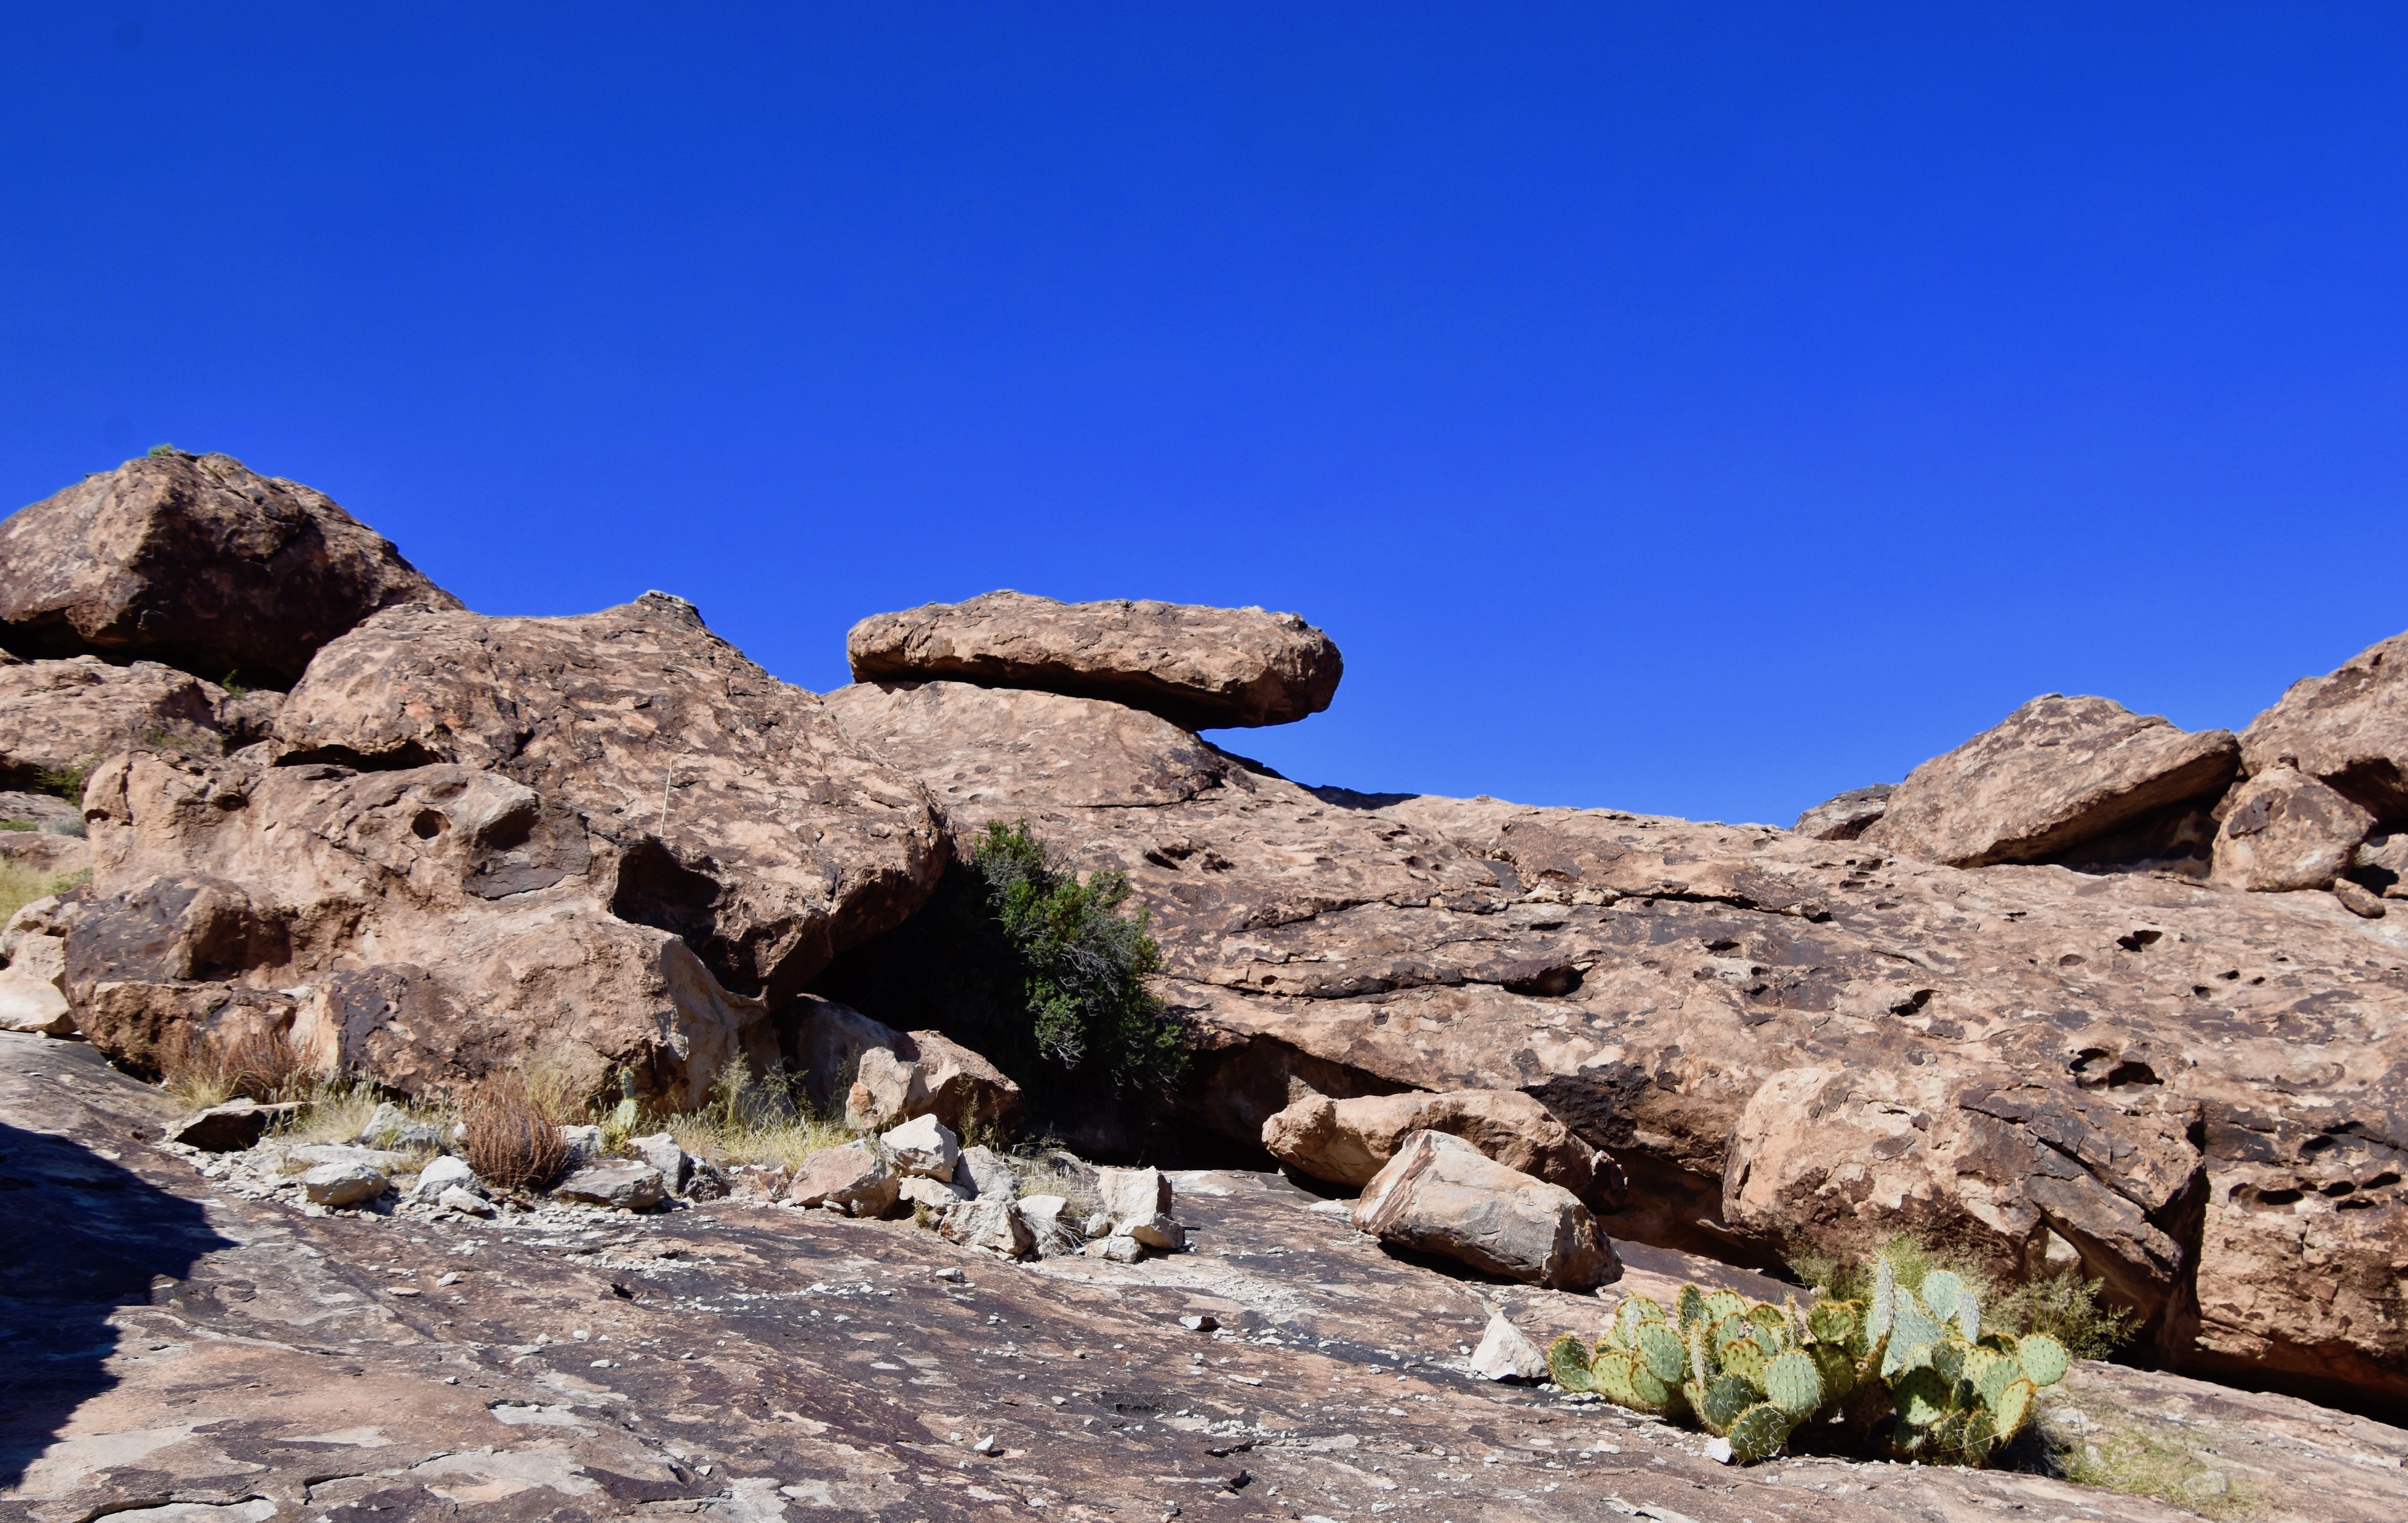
(2055, 774)
(1200, 668)
(198, 562)
(1847, 816)
(729, 810)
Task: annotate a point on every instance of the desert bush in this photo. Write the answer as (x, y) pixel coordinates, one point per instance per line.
(510, 1136)
(1045, 972)
(258, 1064)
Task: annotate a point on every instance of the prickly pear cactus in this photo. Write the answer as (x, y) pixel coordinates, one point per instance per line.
(1758, 1433)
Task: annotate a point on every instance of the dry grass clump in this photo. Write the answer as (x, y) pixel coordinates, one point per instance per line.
(2066, 1306)
(1041, 1174)
(262, 1066)
(757, 1118)
(21, 884)
(511, 1138)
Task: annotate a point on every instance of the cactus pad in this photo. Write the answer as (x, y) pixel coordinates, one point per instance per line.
(1911, 1335)
(1922, 1399)
(1568, 1363)
(1729, 1330)
(1793, 1384)
(1772, 1323)
(1833, 1321)
(1723, 1304)
(1987, 1370)
(2043, 1358)
(1838, 1371)
(1884, 1310)
(1746, 1359)
(1690, 1307)
(1662, 1350)
(2009, 1412)
(1948, 1357)
(1723, 1399)
(1758, 1433)
(1940, 1289)
(1610, 1377)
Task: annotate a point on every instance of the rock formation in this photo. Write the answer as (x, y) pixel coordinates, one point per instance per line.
(58, 719)
(2348, 728)
(197, 562)
(1348, 1141)
(2057, 773)
(1440, 1194)
(1200, 668)
(2283, 829)
(1847, 816)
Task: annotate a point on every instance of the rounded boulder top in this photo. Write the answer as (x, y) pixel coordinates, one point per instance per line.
(1200, 668)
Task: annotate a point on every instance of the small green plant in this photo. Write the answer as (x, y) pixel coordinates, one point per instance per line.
(165, 452)
(1907, 1375)
(2066, 1306)
(233, 689)
(16, 824)
(21, 884)
(62, 781)
(756, 1118)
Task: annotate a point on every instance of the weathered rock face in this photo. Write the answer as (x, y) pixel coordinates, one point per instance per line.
(61, 718)
(422, 925)
(1847, 816)
(2283, 829)
(735, 813)
(2349, 728)
(2184, 1083)
(1348, 1141)
(2057, 773)
(927, 1073)
(1441, 1195)
(198, 562)
(1200, 668)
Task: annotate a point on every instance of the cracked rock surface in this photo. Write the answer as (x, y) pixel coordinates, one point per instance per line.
(185, 1347)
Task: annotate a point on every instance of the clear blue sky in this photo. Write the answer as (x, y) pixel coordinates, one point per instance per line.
(1694, 409)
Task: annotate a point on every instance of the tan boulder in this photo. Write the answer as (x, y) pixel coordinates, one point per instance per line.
(1200, 668)
(2283, 829)
(727, 807)
(927, 1073)
(200, 562)
(58, 719)
(1440, 1194)
(1847, 816)
(856, 1177)
(2349, 728)
(2057, 773)
(1348, 1141)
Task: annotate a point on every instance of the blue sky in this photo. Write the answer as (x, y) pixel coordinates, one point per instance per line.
(1687, 409)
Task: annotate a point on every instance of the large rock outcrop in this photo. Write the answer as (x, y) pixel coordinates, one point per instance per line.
(1348, 1141)
(453, 856)
(737, 814)
(2348, 728)
(198, 562)
(2055, 774)
(2187, 1089)
(1200, 668)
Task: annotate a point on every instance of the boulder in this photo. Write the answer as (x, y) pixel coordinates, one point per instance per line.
(627, 1184)
(390, 1126)
(2359, 901)
(465, 1200)
(2348, 728)
(1505, 1353)
(443, 1176)
(1200, 668)
(1049, 1228)
(45, 813)
(1116, 1249)
(928, 1073)
(936, 1194)
(2057, 773)
(706, 1180)
(582, 1142)
(923, 1146)
(1129, 1195)
(662, 1151)
(34, 1004)
(856, 1177)
(994, 1225)
(198, 562)
(1348, 1141)
(1440, 1194)
(58, 719)
(825, 1042)
(228, 1128)
(985, 1175)
(338, 1185)
(2283, 829)
(696, 794)
(1847, 816)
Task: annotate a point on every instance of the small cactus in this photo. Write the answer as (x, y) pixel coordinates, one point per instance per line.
(2043, 1358)
(1792, 1382)
(1758, 1433)
(1722, 1400)
(1568, 1364)
(1667, 1356)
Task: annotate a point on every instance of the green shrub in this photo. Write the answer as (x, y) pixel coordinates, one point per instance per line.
(1020, 958)
(63, 782)
(2065, 1306)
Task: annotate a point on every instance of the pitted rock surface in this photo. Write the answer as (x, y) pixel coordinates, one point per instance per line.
(2193, 1086)
(2055, 774)
(1200, 668)
(723, 804)
(186, 1343)
(200, 562)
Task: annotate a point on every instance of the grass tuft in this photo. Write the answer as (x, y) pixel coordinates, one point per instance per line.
(757, 1118)
(2065, 1305)
(20, 886)
(259, 1065)
(512, 1139)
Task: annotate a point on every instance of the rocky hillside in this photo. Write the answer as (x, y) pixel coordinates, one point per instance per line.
(2087, 993)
